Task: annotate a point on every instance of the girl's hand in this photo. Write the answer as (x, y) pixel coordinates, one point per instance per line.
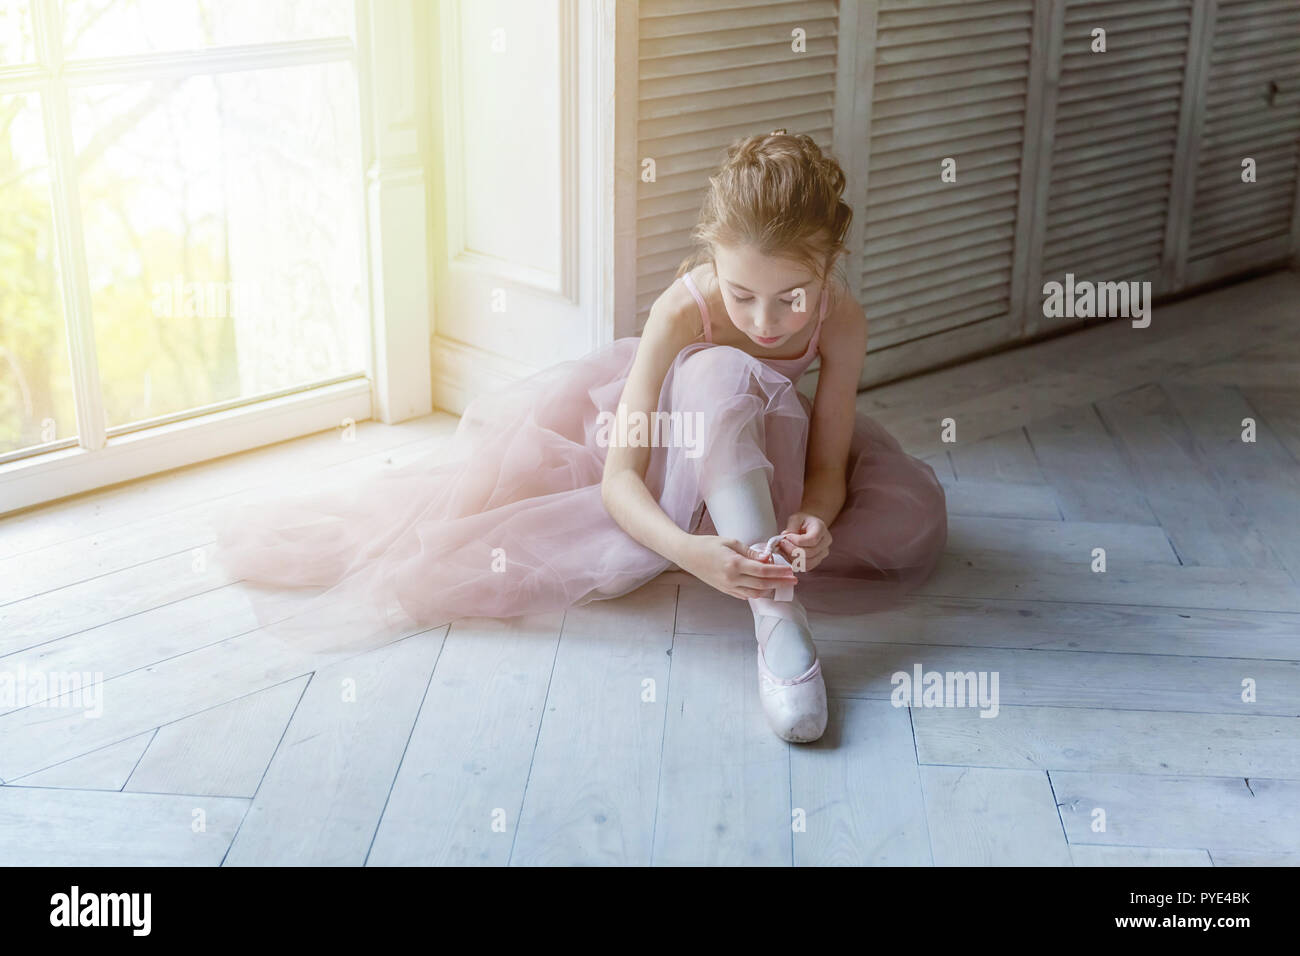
(725, 564)
(811, 537)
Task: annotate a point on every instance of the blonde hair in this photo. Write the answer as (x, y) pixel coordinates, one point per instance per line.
(779, 193)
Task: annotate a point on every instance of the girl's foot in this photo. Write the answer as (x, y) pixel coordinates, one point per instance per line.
(789, 647)
(790, 684)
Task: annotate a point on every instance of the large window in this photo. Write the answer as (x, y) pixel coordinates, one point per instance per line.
(181, 212)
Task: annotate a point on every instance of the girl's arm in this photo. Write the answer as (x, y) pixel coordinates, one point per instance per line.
(622, 488)
(843, 348)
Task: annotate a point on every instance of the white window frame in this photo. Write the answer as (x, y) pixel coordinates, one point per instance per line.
(396, 382)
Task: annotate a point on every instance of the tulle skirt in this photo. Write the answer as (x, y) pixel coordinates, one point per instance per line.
(508, 518)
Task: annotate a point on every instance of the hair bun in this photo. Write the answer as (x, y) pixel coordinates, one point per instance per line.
(777, 132)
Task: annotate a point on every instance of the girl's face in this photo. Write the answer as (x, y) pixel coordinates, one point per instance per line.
(763, 294)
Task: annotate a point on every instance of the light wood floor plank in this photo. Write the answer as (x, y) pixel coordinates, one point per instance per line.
(189, 530)
(983, 817)
(224, 750)
(1080, 461)
(107, 768)
(1173, 811)
(1136, 856)
(592, 790)
(37, 737)
(1179, 483)
(1253, 858)
(465, 769)
(325, 790)
(49, 827)
(1020, 540)
(724, 788)
(1110, 741)
(1260, 479)
(1039, 625)
(282, 463)
(1006, 457)
(1279, 409)
(1219, 588)
(54, 614)
(860, 791)
(1074, 679)
(1001, 500)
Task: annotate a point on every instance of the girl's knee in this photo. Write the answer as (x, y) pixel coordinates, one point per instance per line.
(710, 368)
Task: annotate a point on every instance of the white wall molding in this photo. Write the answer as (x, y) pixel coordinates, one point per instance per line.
(396, 197)
(461, 372)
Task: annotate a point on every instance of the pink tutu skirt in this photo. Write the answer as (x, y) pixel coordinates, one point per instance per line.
(508, 519)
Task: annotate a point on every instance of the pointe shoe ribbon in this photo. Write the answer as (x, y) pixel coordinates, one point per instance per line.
(762, 552)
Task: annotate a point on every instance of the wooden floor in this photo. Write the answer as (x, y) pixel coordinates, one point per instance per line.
(629, 732)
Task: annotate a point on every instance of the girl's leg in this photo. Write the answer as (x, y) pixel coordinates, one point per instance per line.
(742, 509)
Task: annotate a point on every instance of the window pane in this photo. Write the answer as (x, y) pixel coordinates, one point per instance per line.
(17, 42)
(223, 235)
(35, 385)
(115, 27)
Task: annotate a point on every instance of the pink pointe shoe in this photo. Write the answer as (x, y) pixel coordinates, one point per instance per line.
(795, 707)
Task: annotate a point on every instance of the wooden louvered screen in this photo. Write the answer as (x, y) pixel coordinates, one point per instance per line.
(1251, 109)
(949, 81)
(710, 73)
(1115, 138)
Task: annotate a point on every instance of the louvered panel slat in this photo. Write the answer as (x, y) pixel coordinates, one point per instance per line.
(960, 211)
(954, 65)
(1081, 170)
(1222, 180)
(975, 96)
(723, 60)
(1090, 157)
(1131, 256)
(687, 32)
(912, 155)
(716, 138)
(1122, 195)
(688, 122)
(1146, 178)
(923, 320)
(1255, 45)
(954, 84)
(899, 311)
(1251, 8)
(936, 321)
(921, 187)
(751, 74)
(1114, 223)
(1137, 82)
(1245, 125)
(1075, 253)
(950, 81)
(920, 239)
(1161, 129)
(977, 196)
(1115, 138)
(1255, 205)
(1247, 86)
(711, 72)
(1159, 54)
(1226, 156)
(916, 276)
(959, 245)
(1233, 236)
(975, 159)
(1095, 12)
(699, 94)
